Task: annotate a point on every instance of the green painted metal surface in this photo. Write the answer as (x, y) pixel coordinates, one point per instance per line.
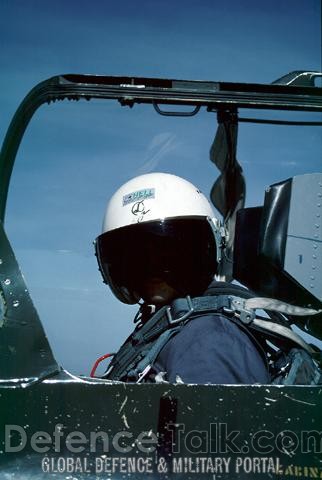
(189, 431)
(24, 349)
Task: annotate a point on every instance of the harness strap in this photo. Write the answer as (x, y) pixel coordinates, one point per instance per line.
(141, 349)
(278, 306)
(281, 331)
(152, 328)
(147, 361)
(245, 311)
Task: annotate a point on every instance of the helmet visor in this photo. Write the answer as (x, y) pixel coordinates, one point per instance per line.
(179, 251)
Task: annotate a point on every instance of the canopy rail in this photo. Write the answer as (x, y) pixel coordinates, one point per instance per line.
(289, 94)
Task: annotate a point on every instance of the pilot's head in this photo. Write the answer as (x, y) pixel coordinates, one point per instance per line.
(158, 241)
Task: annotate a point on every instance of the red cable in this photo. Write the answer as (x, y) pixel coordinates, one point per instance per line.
(98, 361)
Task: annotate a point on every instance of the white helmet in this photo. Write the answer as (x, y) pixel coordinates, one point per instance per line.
(158, 224)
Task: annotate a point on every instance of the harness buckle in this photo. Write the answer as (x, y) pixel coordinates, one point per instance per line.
(244, 314)
(177, 305)
(144, 373)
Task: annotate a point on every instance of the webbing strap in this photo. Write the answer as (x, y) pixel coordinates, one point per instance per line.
(149, 359)
(278, 306)
(143, 347)
(198, 305)
(229, 304)
(152, 327)
(281, 331)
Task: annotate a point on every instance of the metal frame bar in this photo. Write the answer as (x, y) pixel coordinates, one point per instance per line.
(132, 90)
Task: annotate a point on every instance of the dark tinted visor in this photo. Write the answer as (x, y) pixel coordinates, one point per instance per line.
(182, 252)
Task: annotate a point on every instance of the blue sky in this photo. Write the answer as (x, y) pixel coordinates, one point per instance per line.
(75, 155)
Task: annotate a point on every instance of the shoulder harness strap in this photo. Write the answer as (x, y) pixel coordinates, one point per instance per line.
(138, 353)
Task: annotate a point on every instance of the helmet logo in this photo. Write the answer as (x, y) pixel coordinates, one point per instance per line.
(139, 210)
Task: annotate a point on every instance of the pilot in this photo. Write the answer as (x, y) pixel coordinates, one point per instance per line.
(160, 244)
